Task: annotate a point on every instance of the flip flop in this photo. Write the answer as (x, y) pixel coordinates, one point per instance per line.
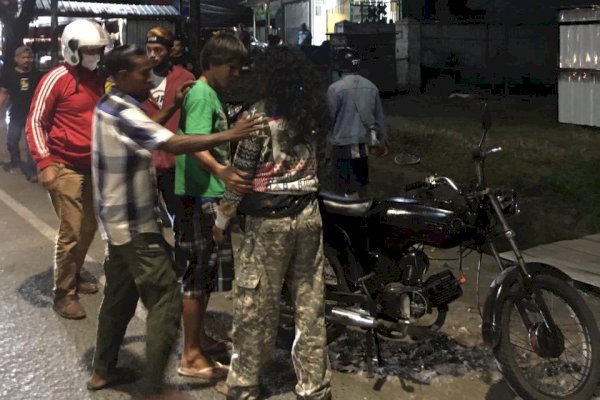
(222, 388)
(218, 371)
(118, 376)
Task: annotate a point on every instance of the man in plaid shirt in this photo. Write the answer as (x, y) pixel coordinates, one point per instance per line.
(138, 263)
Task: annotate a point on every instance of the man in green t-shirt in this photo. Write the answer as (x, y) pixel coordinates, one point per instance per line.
(200, 180)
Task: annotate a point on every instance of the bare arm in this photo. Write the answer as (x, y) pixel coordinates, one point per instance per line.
(235, 180)
(163, 115)
(200, 144)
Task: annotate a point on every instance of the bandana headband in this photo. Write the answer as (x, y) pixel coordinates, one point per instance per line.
(160, 40)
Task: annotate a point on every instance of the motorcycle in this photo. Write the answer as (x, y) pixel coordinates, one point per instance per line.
(543, 335)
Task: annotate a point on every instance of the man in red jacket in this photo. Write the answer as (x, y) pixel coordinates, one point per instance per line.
(167, 78)
(59, 130)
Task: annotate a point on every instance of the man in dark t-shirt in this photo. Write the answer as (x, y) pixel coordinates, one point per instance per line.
(17, 86)
(180, 57)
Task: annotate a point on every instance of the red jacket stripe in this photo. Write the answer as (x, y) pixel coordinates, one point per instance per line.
(38, 105)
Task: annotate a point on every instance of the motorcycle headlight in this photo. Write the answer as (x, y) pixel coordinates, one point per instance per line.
(508, 201)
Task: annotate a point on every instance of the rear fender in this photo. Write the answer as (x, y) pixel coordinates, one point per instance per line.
(505, 286)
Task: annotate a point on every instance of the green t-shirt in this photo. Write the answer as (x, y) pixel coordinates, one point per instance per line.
(201, 113)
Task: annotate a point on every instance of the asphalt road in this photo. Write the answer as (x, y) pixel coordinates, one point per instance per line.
(43, 356)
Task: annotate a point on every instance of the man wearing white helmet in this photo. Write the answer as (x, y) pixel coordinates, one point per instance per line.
(59, 130)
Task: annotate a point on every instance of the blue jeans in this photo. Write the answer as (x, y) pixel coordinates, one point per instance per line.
(15, 132)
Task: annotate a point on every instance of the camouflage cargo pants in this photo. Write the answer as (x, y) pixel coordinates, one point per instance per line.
(273, 250)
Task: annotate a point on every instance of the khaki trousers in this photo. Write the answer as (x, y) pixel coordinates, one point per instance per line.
(73, 203)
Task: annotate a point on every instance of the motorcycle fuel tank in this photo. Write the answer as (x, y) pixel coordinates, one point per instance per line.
(405, 221)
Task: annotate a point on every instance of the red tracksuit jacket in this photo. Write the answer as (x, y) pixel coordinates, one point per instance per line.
(59, 124)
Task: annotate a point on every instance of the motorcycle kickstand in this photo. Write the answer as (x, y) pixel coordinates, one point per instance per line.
(372, 341)
(370, 335)
(380, 362)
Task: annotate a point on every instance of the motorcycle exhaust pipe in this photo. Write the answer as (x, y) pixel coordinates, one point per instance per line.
(352, 318)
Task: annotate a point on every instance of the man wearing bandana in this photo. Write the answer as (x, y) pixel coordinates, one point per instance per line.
(167, 78)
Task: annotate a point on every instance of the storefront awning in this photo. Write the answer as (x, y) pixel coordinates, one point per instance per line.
(88, 9)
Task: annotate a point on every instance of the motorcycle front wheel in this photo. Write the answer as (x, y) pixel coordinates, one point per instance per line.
(574, 373)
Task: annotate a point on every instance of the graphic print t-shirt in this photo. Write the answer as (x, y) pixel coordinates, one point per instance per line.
(20, 87)
(158, 93)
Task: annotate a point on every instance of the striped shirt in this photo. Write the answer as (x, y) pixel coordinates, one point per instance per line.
(126, 197)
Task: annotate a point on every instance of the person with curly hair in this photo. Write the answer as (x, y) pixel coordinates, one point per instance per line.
(282, 239)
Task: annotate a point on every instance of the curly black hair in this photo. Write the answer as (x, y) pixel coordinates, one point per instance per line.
(293, 89)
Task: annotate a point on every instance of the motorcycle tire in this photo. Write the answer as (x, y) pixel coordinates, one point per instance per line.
(506, 353)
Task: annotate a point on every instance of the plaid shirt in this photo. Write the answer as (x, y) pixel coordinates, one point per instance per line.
(125, 193)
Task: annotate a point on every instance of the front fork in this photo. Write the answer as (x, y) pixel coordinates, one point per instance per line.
(525, 278)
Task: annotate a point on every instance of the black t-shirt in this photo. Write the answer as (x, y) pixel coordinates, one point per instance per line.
(185, 61)
(21, 87)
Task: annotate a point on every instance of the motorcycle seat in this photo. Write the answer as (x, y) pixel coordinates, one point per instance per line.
(340, 205)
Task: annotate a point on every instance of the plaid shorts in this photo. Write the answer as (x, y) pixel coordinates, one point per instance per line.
(209, 267)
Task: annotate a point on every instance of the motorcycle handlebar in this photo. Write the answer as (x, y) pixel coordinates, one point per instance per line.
(436, 180)
(432, 182)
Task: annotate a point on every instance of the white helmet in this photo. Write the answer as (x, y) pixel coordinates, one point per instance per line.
(81, 33)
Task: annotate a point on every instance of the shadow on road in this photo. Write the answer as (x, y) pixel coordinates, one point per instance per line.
(37, 289)
(128, 361)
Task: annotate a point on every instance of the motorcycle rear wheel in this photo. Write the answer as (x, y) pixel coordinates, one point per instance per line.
(574, 375)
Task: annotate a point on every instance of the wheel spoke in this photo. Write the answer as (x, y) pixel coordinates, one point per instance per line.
(523, 348)
(557, 377)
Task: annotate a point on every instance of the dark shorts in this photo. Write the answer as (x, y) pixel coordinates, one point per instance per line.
(209, 267)
(352, 174)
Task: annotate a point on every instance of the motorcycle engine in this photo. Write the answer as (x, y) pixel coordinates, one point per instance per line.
(441, 289)
(413, 266)
(403, 302)
(400, 301)
(401, 296)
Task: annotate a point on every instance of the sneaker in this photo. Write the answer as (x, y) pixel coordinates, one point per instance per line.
(68, 307)
(32, 178)
(15, 171)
